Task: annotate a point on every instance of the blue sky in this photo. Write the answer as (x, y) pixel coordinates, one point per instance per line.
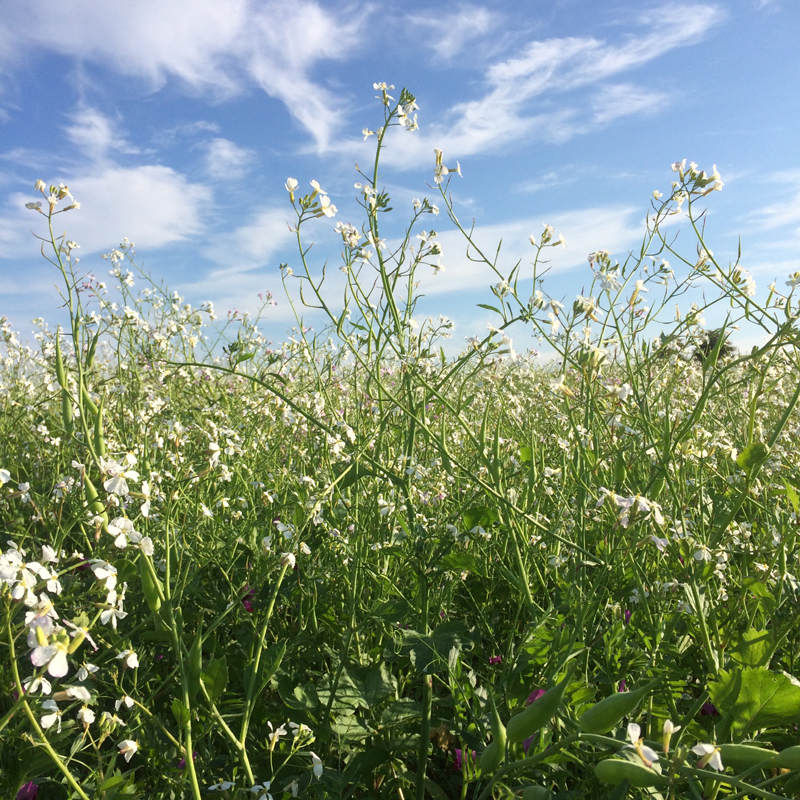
(176, 124)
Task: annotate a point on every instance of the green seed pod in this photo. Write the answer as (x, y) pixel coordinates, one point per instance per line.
(91, 351)
(95, 504)
(744, 756)
(535, 793)
(61, 373)
(789, 758)
(66, 412)
(99, 441)
(151, 585)
(493, 755)
(610, 711)
(792, 786)
(616, 770)
(537, 714)
(491, 758)
(194, 666)
(87, 400)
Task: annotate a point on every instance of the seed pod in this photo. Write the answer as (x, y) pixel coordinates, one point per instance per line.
(66, 412)
(535, 793)
(150, 584)
(194, 666)
(95, 504)
(61, 373)
(537, 714)
(616, 770)
(91, 351)
(744, 756)
(606, 714)
(792, 786)
(789, 758)
(492, 756)
(99, 441)
(87, 400)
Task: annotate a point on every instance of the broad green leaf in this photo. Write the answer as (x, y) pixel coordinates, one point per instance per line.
(753, 649)
(215, 678)
(180, 712)
(754, 455)
(755, 699)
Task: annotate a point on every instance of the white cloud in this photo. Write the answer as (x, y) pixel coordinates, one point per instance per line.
(206, 45)
(449, 34)
(226, 161)
(153, 206)
(777, 215)
(615, 101)
(557, 74)
(95, 134)
(613, 228)
(250, 246)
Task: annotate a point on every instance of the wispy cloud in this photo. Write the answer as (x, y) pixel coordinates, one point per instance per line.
(96, 135)
(571, 81)
(448, 34)
(785, 211)
(226, 161)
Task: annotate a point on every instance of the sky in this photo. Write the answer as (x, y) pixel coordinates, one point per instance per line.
(176, 124)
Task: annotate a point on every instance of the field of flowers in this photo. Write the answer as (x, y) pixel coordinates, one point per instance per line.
(354, 567)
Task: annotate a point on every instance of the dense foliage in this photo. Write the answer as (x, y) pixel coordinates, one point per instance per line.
(351, 566)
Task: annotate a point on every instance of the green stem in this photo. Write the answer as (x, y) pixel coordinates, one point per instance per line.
(251, 687)
(34, 722)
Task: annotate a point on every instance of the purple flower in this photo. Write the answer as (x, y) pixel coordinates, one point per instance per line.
(441, 615)
(458, 764)
(709, 710)
(246, 602)
(495, 659)
(623, 686)
(628, 614)
(182, 762)
(534, 696)
(528, 742)
(28, 791)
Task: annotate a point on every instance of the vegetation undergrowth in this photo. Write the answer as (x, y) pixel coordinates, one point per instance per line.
(354, 567)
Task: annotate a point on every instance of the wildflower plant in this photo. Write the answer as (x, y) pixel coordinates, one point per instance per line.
(221, 552)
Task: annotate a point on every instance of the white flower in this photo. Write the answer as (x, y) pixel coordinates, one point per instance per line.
(710, 756)
(53, 655)
(668, 730)
(48, 720)
(129, 659)
(86, 716)
(264, 788)
(647, 754)
(128, 748)
(317, 762)
(288, 560)
(291, 184)
(31, 685)
(221, 787)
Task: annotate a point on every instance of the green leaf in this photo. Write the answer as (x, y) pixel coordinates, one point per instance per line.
(215, 678)
(180, 712)
(753, 456)
(755, 699)
(243, 357)
(753, 649)
(525, 454)
(794, 499)
(460, 561)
